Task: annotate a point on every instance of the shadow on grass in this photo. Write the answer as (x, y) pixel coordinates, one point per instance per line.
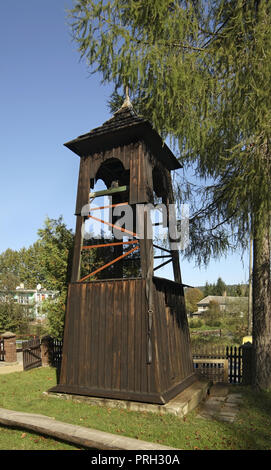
(254, 418)
(258, 400)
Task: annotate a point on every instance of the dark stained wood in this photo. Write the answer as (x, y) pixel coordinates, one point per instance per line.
(173, 333)
(148, 167)
(174, 253)
(31, 354)
(94, 316)
(125, 338)
(137, 337)
(119, 152)
(81, 341)
(117, 308)
(108, 336)
(101, 343)
(105, 341)
(131, 337)
(78, 241)
(124, 128)
(133, 175)
(83, 185)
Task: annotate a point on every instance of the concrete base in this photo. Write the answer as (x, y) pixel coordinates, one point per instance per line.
(182, 404)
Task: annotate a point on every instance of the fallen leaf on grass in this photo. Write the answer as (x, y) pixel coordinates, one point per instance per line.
(23, 435)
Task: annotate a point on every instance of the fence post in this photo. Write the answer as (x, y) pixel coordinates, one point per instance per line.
(45, 346)
(247, 359)
(10, 346)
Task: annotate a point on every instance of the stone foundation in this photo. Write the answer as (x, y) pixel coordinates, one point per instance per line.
(182, 404)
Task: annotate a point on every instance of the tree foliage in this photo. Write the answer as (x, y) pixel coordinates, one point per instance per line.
(14, 317)
(192, 297)
(46, 262)
(200, 72)
(55, 251)
(220, 288)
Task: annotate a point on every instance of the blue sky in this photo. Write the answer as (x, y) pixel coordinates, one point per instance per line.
(48, 97)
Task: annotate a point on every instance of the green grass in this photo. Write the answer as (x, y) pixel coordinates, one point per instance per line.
(12, 439)
(23, 391)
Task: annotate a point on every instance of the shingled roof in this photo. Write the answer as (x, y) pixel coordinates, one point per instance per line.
(124, 127)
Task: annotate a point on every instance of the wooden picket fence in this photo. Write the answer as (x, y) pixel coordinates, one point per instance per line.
(56, 352)
(31, 354)
(219, 363)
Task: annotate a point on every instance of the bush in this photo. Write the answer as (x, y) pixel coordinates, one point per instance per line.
(15, 317)
(213, 322)
(196, 323)
(55, 314)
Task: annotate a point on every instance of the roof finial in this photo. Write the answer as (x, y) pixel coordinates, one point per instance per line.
(126, 92)
(126, 105)
(127, 101)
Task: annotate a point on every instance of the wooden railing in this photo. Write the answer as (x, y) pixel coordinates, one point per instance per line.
(217, 363)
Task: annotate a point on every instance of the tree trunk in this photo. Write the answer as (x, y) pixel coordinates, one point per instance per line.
(250, 298)
(262, 308)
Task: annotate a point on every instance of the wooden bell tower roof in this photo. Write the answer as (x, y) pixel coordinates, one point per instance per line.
(123, 128)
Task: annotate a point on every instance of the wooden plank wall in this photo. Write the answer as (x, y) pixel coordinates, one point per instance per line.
(105, 340)
(105, 350)
(173, 350)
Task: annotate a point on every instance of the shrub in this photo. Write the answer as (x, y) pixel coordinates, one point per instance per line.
(196, 323)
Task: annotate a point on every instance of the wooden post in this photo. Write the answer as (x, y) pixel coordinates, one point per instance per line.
(174, 253)
(146, 257)
(76, 264)
(46, 352)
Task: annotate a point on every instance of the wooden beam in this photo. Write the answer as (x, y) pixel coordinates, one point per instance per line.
(175, 253)
(78, 239)
(132, 242)
(104, 192)
(109, 206)
(112, 225)
(163, 264)
(109, 264)
(162, 248)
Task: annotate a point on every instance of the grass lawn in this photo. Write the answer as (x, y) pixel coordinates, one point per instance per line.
(22, 391)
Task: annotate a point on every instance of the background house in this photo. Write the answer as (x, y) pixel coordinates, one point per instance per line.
(29, 297)
(223, 301)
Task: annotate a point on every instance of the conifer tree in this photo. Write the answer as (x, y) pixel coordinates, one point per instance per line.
(200, 72)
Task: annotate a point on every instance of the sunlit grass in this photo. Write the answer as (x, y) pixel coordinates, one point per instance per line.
(23, 391)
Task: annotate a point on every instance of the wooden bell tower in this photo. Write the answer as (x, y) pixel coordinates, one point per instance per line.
(126, 334)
